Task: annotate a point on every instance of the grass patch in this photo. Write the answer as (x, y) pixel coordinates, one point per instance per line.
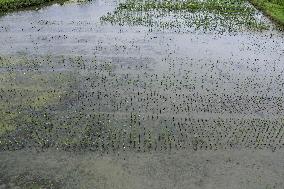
(273, 8)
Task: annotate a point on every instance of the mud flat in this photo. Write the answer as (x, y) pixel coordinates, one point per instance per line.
(141, 95)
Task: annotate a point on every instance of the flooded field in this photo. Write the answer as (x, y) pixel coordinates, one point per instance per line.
(110, 88)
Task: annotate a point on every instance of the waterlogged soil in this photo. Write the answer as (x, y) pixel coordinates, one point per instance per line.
(91, 97)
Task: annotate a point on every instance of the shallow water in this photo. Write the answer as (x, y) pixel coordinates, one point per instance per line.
(133, 106)
(110, 87)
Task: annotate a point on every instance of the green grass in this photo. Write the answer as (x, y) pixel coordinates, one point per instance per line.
(10, 5)
(272, 8)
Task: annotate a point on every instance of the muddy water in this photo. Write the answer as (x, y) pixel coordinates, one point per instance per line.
(70, 82)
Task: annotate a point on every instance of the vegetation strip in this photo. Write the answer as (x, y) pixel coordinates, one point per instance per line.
(206, 15)
(189, 5)
(273, 8)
